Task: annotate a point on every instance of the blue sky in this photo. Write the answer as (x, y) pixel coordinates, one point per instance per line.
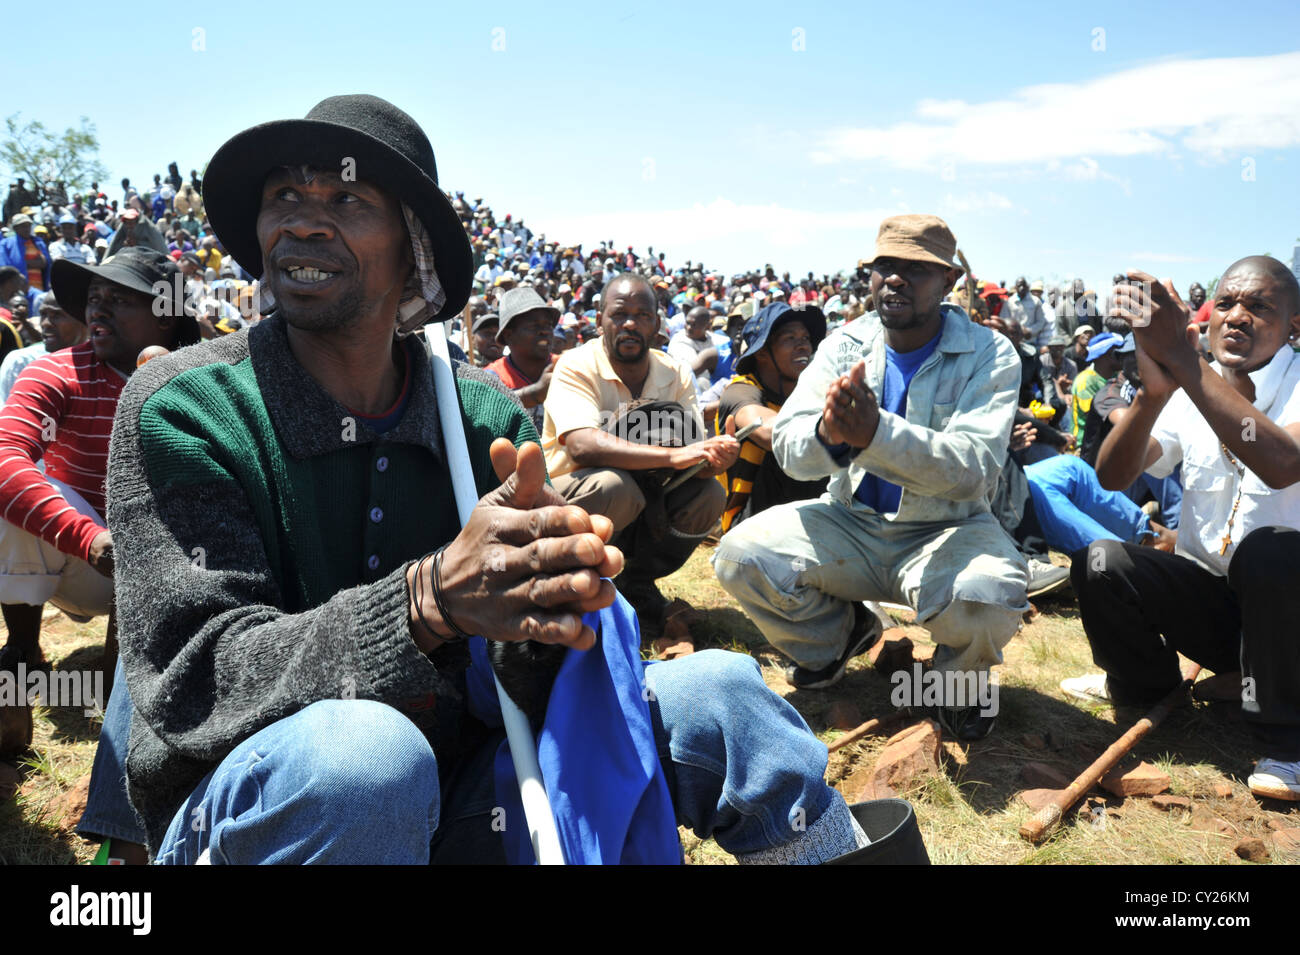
(1055, 141)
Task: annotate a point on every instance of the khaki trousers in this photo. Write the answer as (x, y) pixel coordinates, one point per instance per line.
(692, 511)
(797, 569)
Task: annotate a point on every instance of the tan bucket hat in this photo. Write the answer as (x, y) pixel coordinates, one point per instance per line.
(916, 238)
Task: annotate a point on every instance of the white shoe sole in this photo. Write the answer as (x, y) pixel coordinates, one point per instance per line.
(1089, 689)
(1269, 786)
(1047, 588)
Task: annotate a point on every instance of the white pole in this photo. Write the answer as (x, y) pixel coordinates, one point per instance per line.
(523, 750)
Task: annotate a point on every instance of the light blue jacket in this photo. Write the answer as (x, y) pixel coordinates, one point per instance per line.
(946, 453)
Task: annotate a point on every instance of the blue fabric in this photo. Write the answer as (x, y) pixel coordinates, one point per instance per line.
(1167, 491)
(597, 753)
(1075, 510)
(354, 781)
(108, 810)
(13, 252)
(725, 362)
(900, 367)
(338, 782)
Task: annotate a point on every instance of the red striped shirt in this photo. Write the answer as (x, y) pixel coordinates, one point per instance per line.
(62, 409)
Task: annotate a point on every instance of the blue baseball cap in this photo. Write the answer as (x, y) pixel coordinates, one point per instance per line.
(759, 328)
(1100, 344)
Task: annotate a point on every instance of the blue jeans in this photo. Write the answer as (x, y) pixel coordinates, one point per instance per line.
(353, 781)
(108, 811)
(1075, 510)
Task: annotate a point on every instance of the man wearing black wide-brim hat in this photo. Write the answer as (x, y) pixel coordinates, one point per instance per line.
(298, 602)
(54, 542)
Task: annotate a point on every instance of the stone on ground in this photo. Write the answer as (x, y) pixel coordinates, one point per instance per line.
(1142, 780)
(908, 757)
(1042, 775)
(1252, 849)
(844, 715)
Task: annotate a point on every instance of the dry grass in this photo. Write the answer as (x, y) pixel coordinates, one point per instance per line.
(968, 815)
(971, 814)
(34, 829)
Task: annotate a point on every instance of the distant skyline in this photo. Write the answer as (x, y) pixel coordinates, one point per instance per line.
(1055, 142)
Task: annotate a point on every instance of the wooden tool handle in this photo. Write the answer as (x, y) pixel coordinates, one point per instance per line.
(1045, 821)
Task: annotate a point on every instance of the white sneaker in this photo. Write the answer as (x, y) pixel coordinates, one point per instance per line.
(1276, 780)
(1090, 688)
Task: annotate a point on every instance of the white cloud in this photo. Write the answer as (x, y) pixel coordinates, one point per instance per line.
(1207, 108)
(1087, 169)
(976, 202)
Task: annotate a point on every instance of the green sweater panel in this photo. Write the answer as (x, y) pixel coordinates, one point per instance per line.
(331, 521)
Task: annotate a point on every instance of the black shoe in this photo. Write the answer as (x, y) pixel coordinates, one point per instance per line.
(1045, 577)
(963, 722)
(866, 631)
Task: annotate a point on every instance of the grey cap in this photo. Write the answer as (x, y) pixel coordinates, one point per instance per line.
(1058, 339)
(519, 301)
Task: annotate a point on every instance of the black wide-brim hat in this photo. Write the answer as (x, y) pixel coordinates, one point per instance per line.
(137, 268)
(390, 151)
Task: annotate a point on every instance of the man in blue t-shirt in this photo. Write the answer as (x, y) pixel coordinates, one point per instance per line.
(909, 411)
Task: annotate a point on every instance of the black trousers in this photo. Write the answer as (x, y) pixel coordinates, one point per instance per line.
(1141, 607)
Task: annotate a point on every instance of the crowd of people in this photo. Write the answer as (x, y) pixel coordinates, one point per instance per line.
(909, 434)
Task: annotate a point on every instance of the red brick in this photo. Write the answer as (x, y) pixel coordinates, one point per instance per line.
(1041, 774)
(1142, 780)
(843, 715)
(1285, 840)
(1036, 799)
(72, 804)
(908, 757)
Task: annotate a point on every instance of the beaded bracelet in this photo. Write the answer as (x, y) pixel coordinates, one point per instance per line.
(457, 634)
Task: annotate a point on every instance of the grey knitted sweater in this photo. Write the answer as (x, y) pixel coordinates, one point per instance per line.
(262, 536)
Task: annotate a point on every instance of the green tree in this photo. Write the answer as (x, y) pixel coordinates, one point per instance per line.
(44, 157)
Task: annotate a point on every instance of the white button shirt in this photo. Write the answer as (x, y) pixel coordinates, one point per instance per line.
(1210, 482)
(1030, 314)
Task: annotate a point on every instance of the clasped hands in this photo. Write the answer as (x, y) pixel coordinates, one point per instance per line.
(851, 413)
(526, 566)
(1168, 347)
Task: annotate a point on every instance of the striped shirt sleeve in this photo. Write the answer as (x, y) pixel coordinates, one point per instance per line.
(37, 418)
